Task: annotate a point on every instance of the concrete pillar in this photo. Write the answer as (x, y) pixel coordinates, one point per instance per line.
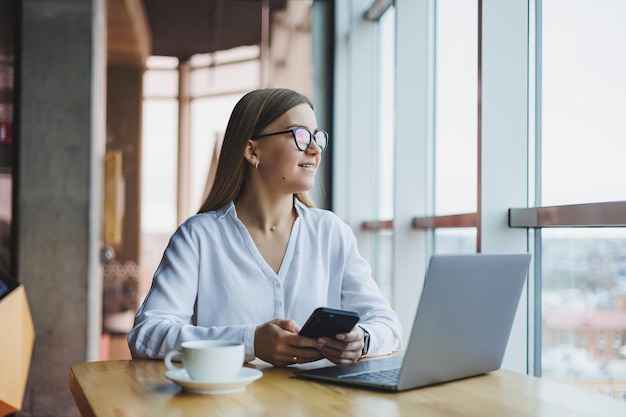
(62, 81)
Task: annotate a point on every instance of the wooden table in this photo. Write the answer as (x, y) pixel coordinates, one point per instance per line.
(139, 388)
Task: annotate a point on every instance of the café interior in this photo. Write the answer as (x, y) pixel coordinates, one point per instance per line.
(456, 127)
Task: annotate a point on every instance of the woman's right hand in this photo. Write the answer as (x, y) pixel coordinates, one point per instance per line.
(277, 342)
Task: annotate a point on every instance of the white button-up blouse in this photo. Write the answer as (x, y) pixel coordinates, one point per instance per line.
(213, 283)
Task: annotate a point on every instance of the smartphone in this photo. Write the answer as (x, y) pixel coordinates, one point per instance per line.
(328, 322)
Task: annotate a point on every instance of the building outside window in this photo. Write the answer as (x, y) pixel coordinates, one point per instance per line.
(581, 142)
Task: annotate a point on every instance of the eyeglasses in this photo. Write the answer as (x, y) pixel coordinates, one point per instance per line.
(303, 138)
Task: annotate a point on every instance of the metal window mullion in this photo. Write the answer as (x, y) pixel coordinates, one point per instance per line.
(537, 272)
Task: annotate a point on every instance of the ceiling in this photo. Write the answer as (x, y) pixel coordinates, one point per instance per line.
(186, 27)
(137, 29)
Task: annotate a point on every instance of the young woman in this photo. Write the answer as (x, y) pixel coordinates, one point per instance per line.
(257, 259)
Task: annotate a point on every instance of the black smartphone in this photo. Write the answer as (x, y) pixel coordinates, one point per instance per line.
(328, 322)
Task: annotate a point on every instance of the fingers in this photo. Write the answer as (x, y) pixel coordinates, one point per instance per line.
(300, 355)
(295, 356)
(340, 356)
(343, 341)
(344, 348)
(289, 325)
(340, 353)
(277, 342)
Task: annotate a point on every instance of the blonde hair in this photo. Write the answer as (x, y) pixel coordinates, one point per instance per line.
(252, 113)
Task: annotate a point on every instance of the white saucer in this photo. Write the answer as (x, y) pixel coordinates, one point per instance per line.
(243, 378)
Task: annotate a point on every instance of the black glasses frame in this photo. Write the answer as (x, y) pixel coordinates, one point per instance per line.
(293, 134)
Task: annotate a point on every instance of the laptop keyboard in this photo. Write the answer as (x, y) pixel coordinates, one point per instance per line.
(384, 376)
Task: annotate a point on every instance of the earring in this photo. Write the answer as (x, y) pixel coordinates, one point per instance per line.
(256, 165)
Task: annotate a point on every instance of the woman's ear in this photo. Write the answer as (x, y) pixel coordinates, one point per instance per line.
(249, 153)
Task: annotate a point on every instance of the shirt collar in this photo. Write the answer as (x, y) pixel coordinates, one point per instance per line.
(225, 210)
(230, 209)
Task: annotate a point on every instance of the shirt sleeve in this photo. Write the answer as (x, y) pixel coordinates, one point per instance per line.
(166, 317)
(361, 294)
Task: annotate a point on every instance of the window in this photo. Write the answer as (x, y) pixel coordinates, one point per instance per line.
(187, 104)
(456, 121)
(456, 107)
(383, 239)
(158, 164)
(583, 269)
(159, 145)
(582, 100)
(481, 118)
(217, 82)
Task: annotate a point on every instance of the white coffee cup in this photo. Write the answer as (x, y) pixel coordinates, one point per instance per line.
(209, 360)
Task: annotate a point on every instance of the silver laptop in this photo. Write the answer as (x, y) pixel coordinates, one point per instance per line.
(461, 328)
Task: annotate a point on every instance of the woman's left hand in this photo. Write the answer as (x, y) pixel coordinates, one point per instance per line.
(344, 347)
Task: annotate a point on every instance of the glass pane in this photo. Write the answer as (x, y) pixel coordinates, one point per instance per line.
(160, 83)
(7, 151)
(209, 117)
(162, 62)
(382, 263)
(455, 240)
(225, 78)
(158, 184)
(583, 104)
(584, 308)
(382, 266)
(6, 201)
(387, 114)
(240, 53)
(159, 166)
(456, 107)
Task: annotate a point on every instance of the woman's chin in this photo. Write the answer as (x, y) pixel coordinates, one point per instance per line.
(305, 187)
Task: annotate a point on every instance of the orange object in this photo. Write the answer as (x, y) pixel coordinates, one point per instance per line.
(16, 348)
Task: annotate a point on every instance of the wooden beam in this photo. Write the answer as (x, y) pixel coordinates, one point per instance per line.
(129, 38)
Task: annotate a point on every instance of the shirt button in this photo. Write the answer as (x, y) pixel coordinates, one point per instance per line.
(279, 303)
(277, 284)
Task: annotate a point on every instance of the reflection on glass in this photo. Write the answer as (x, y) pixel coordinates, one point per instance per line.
(584, 308)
